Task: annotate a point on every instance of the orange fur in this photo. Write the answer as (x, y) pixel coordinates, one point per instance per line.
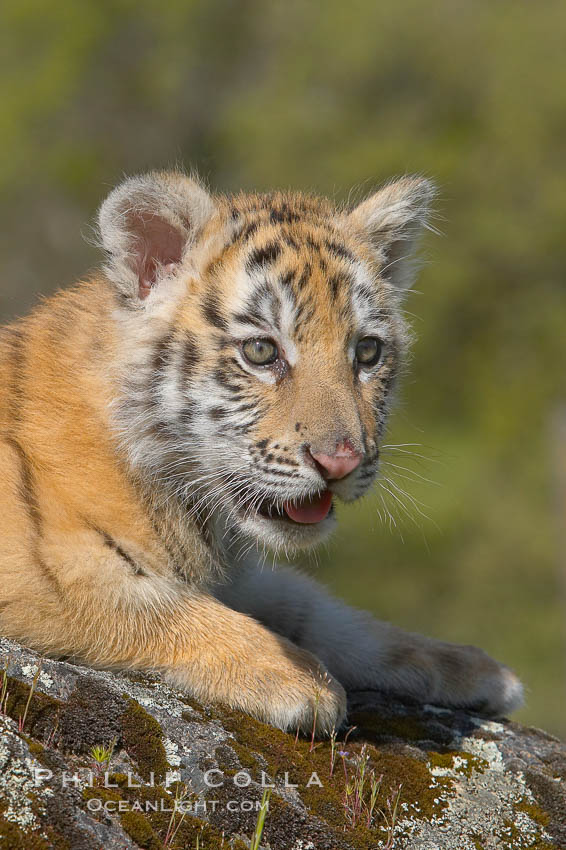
(103, 555)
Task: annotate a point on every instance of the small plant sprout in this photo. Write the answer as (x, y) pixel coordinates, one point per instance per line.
(101, 755)
(361, 791)
(349, 808)
(4, 690)
(348, 733)
(197, 842)
(375, 787)
(333, 750)
(53, 732)
(177, 816)
(390, 816)
(354, 790)
(260, 823)
(362, 763)
(22, 720)
(344, 752)
(317, 694)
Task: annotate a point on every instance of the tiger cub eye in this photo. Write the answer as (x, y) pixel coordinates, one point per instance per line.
(260, 352)
(368, 351)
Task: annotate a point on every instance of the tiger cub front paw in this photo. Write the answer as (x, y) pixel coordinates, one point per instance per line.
(291, 690)
(316, 705)
(466, 677)
(277, 683)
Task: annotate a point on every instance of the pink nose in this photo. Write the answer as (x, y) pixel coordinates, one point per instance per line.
(338, 465)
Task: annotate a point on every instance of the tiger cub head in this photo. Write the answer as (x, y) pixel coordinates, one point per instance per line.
(261, 337)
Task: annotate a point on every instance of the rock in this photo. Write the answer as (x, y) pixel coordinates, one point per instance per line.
(92, 759)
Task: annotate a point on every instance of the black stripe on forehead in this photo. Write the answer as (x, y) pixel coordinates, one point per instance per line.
(304, 315)
(304, 278)
(366, 294)
(290, 241)
(287, 277)
(248, 231)
(264, 306)
(339, 250)
(263, 256)
(248, 319)
(340, 283)
(335, 282)
(374, 315)
(242, 231)
(312, 244)
(283, 215)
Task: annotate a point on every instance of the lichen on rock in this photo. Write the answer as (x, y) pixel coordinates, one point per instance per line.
(178, 773)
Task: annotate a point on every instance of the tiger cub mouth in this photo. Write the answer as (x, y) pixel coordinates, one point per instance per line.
(308, 510)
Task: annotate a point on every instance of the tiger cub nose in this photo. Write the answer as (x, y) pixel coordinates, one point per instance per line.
(335, 466)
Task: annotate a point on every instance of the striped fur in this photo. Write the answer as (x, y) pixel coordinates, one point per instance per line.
(143, 454)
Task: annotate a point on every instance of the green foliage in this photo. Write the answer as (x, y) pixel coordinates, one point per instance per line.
(102, 754)
(325, 97)
(261, 815)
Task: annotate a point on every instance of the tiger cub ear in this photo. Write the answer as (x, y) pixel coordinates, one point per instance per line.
(146, 226)
(392, 220)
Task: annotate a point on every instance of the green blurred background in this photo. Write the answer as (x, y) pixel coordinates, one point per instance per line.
(323, 97)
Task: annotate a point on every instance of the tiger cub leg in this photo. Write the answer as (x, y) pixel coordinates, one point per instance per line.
(88, 606)
(364, 653)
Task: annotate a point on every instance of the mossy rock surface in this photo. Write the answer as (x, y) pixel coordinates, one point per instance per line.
(181, 775)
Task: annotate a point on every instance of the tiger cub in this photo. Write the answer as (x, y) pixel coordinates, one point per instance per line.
(214, 390)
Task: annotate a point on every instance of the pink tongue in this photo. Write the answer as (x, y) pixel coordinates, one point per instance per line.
(311, 510)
